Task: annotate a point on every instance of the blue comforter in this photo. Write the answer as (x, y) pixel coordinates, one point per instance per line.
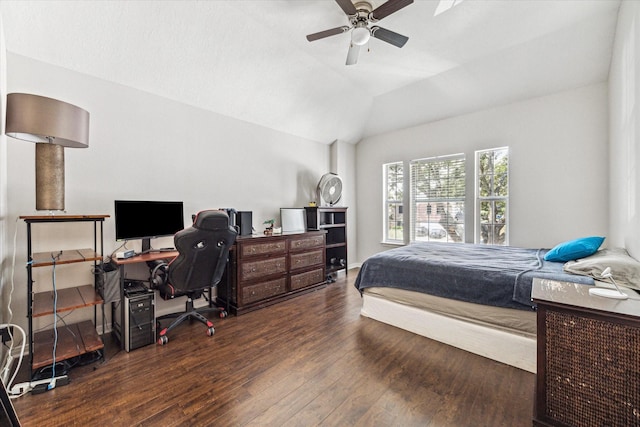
(492, 275)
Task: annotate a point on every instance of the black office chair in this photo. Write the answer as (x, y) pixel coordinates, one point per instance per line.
(203, 251)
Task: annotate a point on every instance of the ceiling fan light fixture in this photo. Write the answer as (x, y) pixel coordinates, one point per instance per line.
(360, 35)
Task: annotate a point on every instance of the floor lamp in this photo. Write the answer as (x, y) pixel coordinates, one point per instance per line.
(52, 125)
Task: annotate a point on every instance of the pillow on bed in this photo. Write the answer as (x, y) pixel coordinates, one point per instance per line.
(574, 249)
(624, 269)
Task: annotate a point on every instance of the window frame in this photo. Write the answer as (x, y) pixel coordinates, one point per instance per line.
(493, 199)
(442, 202)
(399, 203)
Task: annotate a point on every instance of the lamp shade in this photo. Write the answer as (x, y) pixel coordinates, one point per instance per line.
(40, 119)
(52, 125)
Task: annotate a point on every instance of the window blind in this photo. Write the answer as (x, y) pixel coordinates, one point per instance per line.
(437, 198)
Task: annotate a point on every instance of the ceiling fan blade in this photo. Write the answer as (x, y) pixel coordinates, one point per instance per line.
(389, 36)
(352, 55)
(328, 33)
(388, 8)
(445, 5)
(347, 6)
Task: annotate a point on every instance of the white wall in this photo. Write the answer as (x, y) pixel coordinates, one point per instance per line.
(558, 165)
(4, 222)
(147, 147)
(343, 159)
(624, 95)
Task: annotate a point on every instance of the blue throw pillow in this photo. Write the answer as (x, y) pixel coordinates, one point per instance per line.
(574, 249)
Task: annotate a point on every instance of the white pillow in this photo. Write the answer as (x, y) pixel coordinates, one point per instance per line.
(624, 269)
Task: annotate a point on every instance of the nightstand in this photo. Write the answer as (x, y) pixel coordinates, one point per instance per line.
(588, 358)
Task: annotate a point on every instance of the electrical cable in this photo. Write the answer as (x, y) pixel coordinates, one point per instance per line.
(46, 326)
(70, 331)
(9, 383)
(13, 268)
(113, 254)
(4, 371)
(52, 384)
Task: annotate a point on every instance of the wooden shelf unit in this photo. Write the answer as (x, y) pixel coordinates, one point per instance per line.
(334, 221)
(74, 339)
(43, 259)
(68, 299)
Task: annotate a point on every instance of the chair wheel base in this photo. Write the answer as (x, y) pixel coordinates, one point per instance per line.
(163, 340)
(211, 331)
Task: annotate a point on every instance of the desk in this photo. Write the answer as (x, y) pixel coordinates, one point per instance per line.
(122, 263)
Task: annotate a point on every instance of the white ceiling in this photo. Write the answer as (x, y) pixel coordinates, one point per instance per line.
(250, 59)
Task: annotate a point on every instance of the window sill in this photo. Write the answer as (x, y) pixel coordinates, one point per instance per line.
(392, 243)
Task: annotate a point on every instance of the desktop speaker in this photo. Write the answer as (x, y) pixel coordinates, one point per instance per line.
(244, 223)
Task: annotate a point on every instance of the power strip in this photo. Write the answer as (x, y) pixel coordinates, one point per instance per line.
(125, 254)
(39, 386)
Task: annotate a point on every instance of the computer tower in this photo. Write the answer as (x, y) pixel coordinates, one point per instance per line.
(139, 320)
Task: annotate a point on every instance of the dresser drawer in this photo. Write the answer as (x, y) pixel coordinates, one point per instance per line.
(263, 290)
(306, 259)
(265, 267)
(302, 280)
(263, 248)
(307, 242)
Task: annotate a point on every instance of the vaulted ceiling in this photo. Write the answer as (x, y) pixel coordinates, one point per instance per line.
(250, 59)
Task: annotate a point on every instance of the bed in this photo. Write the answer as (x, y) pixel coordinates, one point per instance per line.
(474, 297)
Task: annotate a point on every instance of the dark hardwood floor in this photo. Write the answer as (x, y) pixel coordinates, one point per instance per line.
(311, 360)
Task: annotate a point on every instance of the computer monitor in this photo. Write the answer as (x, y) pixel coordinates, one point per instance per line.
(147, 220)
(293, 220)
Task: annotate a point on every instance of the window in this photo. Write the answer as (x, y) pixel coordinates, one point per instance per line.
(393, 193)
(492, 196)
(437, 199)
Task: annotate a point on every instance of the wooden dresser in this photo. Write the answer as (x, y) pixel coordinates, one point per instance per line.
(267, 269)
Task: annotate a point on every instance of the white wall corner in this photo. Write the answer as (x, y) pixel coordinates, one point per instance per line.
(4, 220)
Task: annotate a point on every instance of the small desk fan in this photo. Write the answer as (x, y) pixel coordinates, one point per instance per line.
(329, 189)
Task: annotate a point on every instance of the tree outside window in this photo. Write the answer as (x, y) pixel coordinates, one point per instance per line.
(394, 193)
(492, 190)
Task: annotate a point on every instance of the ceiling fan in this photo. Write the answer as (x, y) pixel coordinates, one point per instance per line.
(445, 5)
(360, 15)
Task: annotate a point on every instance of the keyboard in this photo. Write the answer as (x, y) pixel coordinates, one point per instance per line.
(135, 288)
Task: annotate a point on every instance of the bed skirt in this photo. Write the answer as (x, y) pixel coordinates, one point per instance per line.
(497, 343)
